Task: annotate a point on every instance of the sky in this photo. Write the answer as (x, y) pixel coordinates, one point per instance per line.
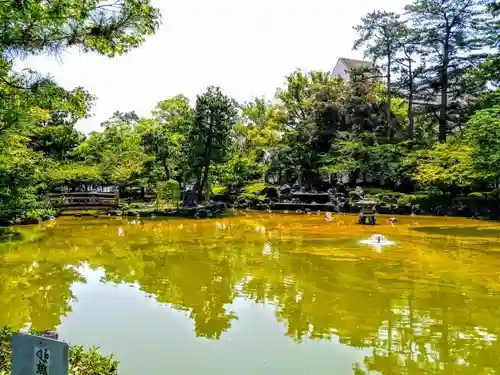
(246, 47)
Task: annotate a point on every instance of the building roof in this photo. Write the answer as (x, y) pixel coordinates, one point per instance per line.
(356, 64)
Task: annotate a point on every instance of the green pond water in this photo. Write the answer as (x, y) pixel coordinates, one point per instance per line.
(262, 293)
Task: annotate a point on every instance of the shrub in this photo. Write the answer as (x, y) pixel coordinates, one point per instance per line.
(251, 190)
(410, 200)
(254, 188)
(80, 361)
(477, 194)
(353, 194)
(391, 197)
(376, 191)
(219, 190)
(168, 191)
(40, 213)
(494, 194)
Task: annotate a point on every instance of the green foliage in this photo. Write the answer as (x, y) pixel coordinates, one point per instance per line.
(256, 142)
(118, 151)
(483, 131)
(209, 138)
(57, 142)
(381, 34)
(253, 190)
(20, 173)
(164, 137)
(169, 192)
(376, 191)
(37, 137)
(72, 172)
(451, 35)
(477, 194)
(81, 361)
(34, 27)
(446, 165)
(218, 190)
(372, 128)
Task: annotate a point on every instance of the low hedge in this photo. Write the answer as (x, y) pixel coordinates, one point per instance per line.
(81, 361)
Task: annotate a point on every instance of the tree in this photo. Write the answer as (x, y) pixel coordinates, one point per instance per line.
(56, 141)
(312, 102)
(445, 165)
(36, 115)
(167, 192)
(255, 140)
(164, 136)
(20, 176)
(483, 132)
(451, 37)
(380, 33)
(215, 115)
(34, 27)
(408, 70)
(118, 151)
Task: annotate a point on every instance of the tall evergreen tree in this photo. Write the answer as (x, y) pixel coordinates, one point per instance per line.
(215, 115)
(452, 37)
(409, 69)
(380, 34)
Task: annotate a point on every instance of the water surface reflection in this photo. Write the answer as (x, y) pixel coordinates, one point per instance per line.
(261, 291)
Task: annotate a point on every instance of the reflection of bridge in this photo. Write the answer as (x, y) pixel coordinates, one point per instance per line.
(84, 200)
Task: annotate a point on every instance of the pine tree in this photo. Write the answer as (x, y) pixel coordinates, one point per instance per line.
(215, 115)
(380, 33)
(452, 38)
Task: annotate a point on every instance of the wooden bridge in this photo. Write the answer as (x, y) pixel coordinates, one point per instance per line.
(65, 201)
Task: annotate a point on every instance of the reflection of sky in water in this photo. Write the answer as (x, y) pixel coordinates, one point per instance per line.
(267, 249)
(265, 285)
(154, 339)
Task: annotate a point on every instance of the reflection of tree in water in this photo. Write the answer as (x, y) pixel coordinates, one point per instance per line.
(436, 334)
(36, 292)
(418, 315)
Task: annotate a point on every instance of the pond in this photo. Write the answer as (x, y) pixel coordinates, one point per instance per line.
(263, 293)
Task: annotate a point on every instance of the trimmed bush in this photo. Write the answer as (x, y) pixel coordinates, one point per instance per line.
(252, 190)
(477, 194)
(377, 191)
(219, 190)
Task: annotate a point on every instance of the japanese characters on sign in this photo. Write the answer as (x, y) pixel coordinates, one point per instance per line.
(42, 361)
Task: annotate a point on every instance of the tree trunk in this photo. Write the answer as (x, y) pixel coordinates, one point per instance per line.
(411, 120)
(206, 160)
(353, 178)
(165, 167)
(388, 105)
(444, 90)
(203, 182)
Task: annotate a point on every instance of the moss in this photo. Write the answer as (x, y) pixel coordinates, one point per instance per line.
(81, 361)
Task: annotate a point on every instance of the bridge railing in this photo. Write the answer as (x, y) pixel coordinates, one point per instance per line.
(84, 199)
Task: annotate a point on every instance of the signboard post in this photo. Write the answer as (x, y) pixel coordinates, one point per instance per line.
(34, 355)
